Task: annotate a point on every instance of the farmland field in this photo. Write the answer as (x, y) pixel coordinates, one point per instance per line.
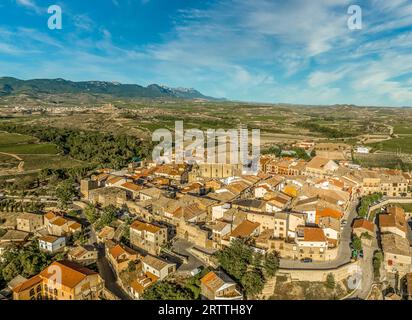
(402, 144)
(25, 150)
(10, 139)
(43, 148)
(36, 162)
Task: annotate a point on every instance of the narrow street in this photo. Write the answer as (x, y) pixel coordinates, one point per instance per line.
(109, 277)
(103, 265)
(366, 269)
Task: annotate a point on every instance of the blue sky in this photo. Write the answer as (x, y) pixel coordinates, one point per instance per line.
(294, 51)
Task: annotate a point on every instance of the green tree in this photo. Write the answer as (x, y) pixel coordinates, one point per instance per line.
(131, 266)
(166, 290)
(91, 213)
(65, 191)
(107, 217)
(356, 242)
(301, 154)
(252, 283)
(377, 261)
(235, 259)
(26, 261)
(271, 264)
(330, 281)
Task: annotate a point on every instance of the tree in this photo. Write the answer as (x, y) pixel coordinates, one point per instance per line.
(271, 264)
(65, 191)
(377, 261)
(330, 281)
(301, 154)
(131, 266)
(107, 217)
(235, 259)
(91, 213)
(166, 290)
(252, 282)
(246, 266)
(356, 242)
(26, 261)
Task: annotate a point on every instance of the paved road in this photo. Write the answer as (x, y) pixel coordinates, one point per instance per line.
(344, 251)
(366, 275)
(366, 266)
(182, 247)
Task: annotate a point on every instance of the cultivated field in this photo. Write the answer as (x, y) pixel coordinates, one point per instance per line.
(280, 124)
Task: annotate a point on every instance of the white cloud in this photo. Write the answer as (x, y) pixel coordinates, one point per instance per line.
(30, 4)
(321, 78)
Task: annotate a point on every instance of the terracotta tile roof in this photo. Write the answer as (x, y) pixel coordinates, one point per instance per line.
(59, 221)
(131, 186)
(365, 224)
(105, 232)
(75, 226)
(395, 218)
(49, 239)
(119, 250)
(28, 284)
(244, 229)
(317, 163)
(312, 234)
(79, 251)
(116, 251)
(114, 180)
(153, 277)
(142, 226)
(328, 212)
(154, 262)
(143, 282)
(50, 215)
(71, 273)
(215, 280)
(237, 187)
(212, 281)
(290, 190)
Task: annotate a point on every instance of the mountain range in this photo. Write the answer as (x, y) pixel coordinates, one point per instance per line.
(13, 86)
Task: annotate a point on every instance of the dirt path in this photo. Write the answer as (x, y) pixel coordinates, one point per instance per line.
(12, 155)
(20, 166)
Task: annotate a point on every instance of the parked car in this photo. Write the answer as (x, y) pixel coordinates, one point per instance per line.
(306, 260)
(361, 254)
(344, 222)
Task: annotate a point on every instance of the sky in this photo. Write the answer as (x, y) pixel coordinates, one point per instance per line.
(294, 51)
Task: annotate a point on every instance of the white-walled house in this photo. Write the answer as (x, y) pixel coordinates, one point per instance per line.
(52, 244)
(219, 210)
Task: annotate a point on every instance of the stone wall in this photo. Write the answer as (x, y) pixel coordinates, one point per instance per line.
(340, 273)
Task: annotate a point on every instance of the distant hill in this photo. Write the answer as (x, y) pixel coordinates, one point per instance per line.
(13, 86)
